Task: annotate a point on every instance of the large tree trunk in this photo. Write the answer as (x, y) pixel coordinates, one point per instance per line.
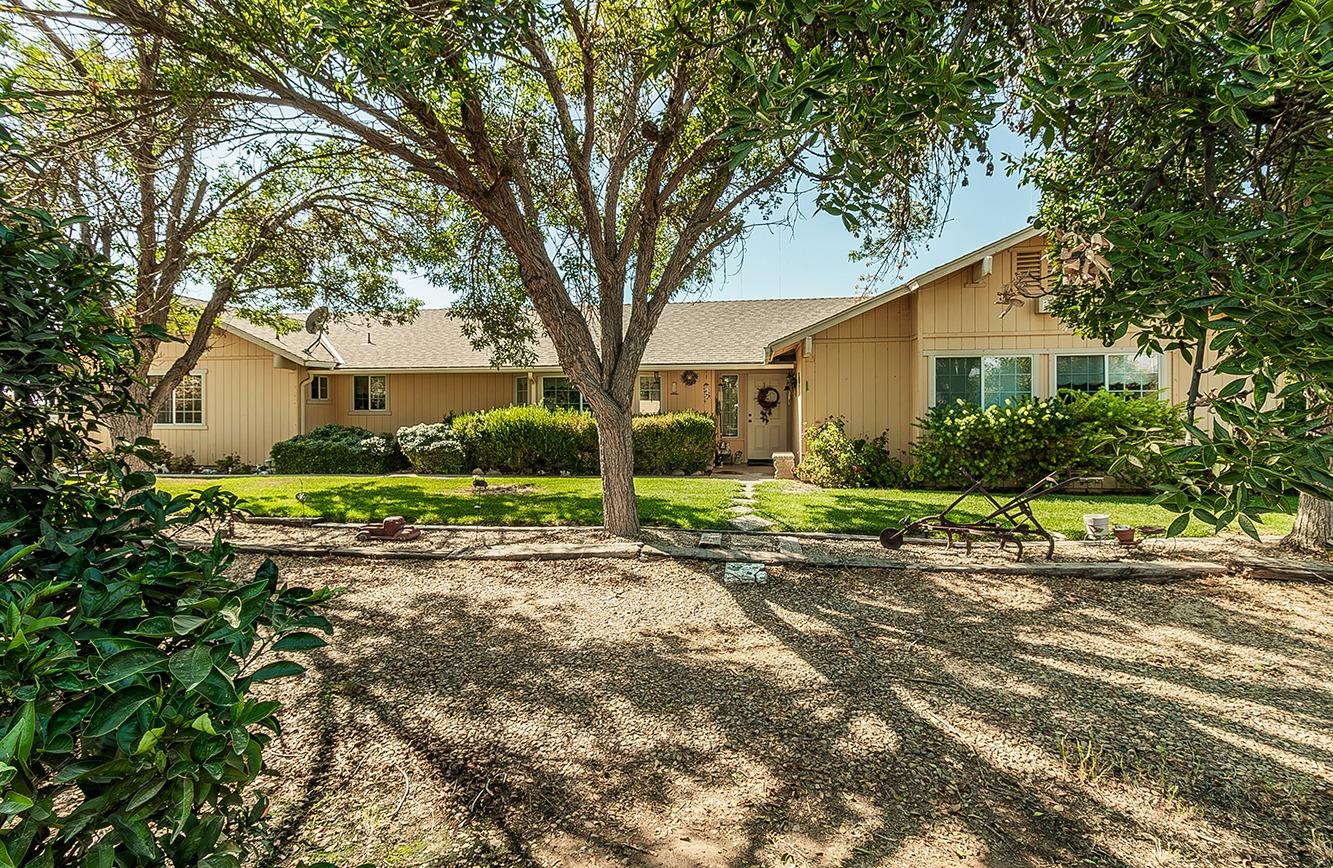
(1314, 525)
(615, 448)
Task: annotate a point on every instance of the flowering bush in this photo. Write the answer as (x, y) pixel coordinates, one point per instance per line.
(433, 448)
(1018, 442)
(833, 460)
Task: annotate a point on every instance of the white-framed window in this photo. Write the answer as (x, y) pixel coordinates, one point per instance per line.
(558, 393)
(522, 389)
(981, 380)
(319, 388)
(650, 394)
(1129, 374)
(729, 405)
(185, 404)
(370, 394)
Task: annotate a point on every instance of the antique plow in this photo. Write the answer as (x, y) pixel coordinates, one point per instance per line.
(1008, 522)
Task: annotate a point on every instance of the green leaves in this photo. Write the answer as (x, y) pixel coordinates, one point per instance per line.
(120, 650)
(191, 666)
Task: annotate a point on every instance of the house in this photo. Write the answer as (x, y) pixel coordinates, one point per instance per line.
(878, 361)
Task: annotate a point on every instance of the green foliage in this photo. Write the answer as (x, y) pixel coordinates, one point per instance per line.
(433, 448)
(529, 439)
(178, 463)
(127, 736)
(536, 439)
(233, 463)
(833, 460)
(1195, 138)
(1019, 442)
(672, 442)
(337, 449)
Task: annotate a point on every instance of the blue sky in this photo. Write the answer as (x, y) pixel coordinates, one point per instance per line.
(810, 258)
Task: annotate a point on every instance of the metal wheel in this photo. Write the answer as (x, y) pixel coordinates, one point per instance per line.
(892, 537)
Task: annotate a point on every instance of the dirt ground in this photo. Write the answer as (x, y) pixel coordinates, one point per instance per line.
(621, 712)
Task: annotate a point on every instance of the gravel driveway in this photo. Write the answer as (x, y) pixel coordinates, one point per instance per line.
(601, 712)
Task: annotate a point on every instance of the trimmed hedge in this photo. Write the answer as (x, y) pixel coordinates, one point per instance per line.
(337, 449)
(538, 440)
(1020, 441)
(529, 439)
(433, 448)
(672, 442)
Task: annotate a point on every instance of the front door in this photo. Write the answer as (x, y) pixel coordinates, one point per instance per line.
(764, 437)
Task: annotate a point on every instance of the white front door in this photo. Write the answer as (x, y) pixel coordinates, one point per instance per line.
(763, 438)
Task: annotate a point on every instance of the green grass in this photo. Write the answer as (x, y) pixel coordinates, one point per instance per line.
(868, 511)
(540, 500)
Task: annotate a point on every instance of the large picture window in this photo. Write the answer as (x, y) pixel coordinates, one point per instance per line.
(558, 393)
(729, 405)
(1120, 373)
(982, 380)
(370, 394)
(185, 404)
(650, 394)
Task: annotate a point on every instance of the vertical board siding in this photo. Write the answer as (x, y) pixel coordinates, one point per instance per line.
(248, 403)
(417, 398)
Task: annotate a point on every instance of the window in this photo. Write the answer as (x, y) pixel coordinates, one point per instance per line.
(521, 397)
(729, 405)
(370, 394)
(1120, 373)
(558, 393)
(982, 380)
(650, 394)
(185, 404)
(319, 388)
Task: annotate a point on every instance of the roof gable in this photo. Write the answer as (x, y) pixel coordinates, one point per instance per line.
(908, 286)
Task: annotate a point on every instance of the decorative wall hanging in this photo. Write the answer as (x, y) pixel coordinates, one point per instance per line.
(689, 378)
(768, 398)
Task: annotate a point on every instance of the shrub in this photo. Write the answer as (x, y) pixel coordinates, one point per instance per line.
(833, 460)
(157, 456)
(181, 463)
(671, 442)
(529, 439)
(127, 733)
(233, 463)
(337, 449)
(432, 448)
(1020, 441)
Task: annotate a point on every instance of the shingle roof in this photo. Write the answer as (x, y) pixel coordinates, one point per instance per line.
(692, 333)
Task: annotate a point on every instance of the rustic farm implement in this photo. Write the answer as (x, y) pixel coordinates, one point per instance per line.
(1008, 522)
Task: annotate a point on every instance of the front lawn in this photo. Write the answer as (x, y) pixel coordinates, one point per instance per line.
(870, 510)
(528, 501)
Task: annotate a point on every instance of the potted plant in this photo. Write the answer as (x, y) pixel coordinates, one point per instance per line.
(1124, 534)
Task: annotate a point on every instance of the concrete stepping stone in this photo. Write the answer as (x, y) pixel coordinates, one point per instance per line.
(710, 540)
(790, 545)
(750, 522)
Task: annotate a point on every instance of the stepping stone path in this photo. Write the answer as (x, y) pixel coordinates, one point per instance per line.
(743, 509)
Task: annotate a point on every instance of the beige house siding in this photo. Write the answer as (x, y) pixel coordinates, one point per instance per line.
(249, 401)
(875, 369)
(412, 399)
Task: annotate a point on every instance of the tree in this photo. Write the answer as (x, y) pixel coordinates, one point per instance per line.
(127, 735)
(197, 191)
(1186, 173)
(606, 154)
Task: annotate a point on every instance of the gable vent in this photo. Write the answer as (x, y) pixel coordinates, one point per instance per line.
(1029, 263)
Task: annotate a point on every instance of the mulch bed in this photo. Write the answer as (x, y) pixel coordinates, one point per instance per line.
(634, 712)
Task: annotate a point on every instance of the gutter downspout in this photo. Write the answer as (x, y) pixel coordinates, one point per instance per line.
(301, 392)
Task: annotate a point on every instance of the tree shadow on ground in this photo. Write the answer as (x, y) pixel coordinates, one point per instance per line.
(849, 719)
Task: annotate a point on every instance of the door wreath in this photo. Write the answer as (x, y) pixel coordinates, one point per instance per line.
(768, 398)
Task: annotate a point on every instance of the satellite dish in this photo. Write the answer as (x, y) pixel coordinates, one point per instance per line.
(318, 319)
